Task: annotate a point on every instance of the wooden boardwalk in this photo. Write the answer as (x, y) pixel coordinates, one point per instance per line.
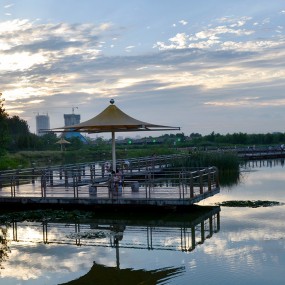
(156, 186)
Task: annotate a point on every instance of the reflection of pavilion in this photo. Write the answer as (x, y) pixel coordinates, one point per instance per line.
(173, 233)
(178, 232)
(100, 274)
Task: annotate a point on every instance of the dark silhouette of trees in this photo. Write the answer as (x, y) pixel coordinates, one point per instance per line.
(4, 137)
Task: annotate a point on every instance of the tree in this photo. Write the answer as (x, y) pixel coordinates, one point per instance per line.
(18, 130)
(4, 137)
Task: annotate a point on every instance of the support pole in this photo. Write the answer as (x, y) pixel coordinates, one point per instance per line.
(114, 151)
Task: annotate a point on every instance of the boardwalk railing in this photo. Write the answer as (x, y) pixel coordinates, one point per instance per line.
(152, 180)
(95, 169)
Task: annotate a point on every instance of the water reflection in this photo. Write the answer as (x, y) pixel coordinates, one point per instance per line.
(263, 163)
(174, 233)
(100, 274)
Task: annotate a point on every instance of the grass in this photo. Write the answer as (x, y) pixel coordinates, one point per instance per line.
(14, 161)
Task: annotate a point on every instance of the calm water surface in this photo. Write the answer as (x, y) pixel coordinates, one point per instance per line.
(224, 246)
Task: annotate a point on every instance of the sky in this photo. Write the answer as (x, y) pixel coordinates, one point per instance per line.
(204, 66)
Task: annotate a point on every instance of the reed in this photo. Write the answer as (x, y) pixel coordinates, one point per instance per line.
(225, 162)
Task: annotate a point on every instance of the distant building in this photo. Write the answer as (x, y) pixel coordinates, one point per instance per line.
(42, 123)
(71, 119)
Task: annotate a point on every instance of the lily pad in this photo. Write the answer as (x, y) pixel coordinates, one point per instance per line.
(249, 203)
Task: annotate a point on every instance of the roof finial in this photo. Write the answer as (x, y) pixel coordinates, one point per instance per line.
(112, 101)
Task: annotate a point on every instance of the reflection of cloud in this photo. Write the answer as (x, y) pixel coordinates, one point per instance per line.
(247, 236)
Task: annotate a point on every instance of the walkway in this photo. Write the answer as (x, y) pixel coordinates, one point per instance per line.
(157, 186)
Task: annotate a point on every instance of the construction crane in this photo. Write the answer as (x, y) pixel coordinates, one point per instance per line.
(73, 109)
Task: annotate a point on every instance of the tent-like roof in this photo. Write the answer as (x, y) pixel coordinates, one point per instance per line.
(62, 141)
(115, 120)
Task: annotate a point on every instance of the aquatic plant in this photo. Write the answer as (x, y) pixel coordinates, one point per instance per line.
(249, 203)
(44, 215)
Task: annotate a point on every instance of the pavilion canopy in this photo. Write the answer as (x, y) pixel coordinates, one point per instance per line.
(113, 120)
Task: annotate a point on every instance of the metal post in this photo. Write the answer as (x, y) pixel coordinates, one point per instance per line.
(60, 173)
(65, 177)
(102, 171)
(202, 232)
(209, 180)
(146, 185)
(211, 225)
(201, 181)
(218, 222)
(217, 177)
(191, 185)
(15, 231)
(114, 151)
(45, 233)
(13, 186)
(79, 173)
(50, 177)
(33, 176)
(17, 177)
(180, 184)
(193, 237)
(73, 180)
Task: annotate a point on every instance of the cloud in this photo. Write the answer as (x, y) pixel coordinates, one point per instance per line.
(222, 66)
(183, 22)
(204, 39)
(9, 6)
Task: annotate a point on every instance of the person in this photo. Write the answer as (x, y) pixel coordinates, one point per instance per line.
(117, 181)
(107, 167)
(126, 165)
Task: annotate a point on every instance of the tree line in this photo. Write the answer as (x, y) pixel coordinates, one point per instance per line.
(16, 136)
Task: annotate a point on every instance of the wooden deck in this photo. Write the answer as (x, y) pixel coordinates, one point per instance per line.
(155, 187)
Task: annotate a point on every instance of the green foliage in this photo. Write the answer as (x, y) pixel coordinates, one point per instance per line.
(8, 161)
(216, 139)
(4, 137)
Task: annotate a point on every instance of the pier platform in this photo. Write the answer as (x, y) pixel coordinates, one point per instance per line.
(155, 186)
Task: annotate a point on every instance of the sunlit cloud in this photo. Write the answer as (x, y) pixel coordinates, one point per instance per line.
(20, 61)
(42, 60)
(183, 22)
(9, 6)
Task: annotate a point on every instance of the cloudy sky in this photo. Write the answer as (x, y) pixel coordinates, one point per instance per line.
(208, 65)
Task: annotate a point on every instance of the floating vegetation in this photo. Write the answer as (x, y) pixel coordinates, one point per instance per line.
(44, 215)
(248, 203)
(88, 235)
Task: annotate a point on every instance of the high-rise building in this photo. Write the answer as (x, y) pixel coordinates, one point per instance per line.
(71, 119)
(42, 123)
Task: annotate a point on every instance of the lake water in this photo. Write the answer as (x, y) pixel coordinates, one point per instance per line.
(226, 245)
